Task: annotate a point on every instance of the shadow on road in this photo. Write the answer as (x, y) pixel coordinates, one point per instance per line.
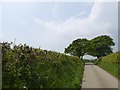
(89, 63)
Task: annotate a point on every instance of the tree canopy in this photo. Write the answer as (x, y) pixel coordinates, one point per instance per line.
(101, 46)
(98, 46)
(78, 47)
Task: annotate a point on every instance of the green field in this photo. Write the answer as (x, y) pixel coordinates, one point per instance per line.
(27, 67)
(110, 63)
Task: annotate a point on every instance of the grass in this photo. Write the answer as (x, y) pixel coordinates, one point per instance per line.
(110, 63)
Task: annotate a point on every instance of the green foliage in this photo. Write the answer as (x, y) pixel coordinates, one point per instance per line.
(85, 60)
(98, 46)
(78, 47)
(110, 63)
(27, 67)
(97, 60)
(101, 46)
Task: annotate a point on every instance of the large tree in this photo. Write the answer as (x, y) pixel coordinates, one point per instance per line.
(98, 46)
(78, 47)
(101, 46)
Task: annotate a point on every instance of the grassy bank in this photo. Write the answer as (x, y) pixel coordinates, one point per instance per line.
(110, 63)
(26, 67)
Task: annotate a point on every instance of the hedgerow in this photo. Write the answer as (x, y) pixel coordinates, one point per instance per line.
(27, 67)
(110, 63)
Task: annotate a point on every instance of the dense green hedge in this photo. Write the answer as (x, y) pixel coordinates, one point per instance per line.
(110, 63)
(27, 67)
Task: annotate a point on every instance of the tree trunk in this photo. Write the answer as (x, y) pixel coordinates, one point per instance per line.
(81, 57)
(98, 56)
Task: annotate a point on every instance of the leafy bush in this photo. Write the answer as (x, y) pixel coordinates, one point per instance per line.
(27, 67)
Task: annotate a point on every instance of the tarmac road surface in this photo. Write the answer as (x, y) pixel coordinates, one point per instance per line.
(95, 77)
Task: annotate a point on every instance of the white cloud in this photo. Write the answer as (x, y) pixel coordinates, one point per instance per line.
(95, 10)
(81, 13)
(102, 20)
(55, 9)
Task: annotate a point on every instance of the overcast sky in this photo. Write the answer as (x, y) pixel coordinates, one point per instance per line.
(54, 25)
